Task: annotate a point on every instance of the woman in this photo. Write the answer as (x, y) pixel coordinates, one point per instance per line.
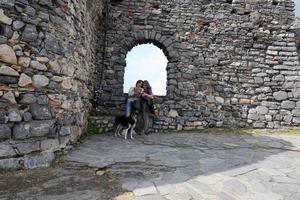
(147, 95)
(134, 95)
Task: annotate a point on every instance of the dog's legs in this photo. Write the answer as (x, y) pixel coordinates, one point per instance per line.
(126, 132)
(118, 130)
(131, 130)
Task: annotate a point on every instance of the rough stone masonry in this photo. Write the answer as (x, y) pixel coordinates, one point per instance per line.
(48, 51)
(231, 63)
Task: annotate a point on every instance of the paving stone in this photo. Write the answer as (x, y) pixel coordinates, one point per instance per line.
(235, 186)
(145, 188)
(179, 197)
(150, 197)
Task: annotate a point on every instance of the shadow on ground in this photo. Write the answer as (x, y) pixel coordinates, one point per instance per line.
(186, 166)
(198, 166)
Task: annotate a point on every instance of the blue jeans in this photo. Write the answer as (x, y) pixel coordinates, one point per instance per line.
(128, 108)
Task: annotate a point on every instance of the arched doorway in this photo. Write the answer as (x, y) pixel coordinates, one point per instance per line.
(146, 62)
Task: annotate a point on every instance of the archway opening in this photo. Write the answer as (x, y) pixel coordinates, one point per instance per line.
(297, 8)
(146, 62)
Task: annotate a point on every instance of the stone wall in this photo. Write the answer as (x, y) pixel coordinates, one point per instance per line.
(48, 52)
(231, 63)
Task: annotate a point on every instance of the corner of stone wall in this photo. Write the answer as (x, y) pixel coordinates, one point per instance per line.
(47, 55)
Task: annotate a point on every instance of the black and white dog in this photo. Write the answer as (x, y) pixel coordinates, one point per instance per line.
(126, 124)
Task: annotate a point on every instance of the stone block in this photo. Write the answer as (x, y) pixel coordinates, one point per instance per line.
(10, 97)
(40, 81)
(37, 65)
(40, 112)
(262, 110)
(28, 147)
(296, 112)
(27, 99)
(6, 150)
(52, 44)
(9, 79)
(8, 71)
(65, 130)
(281, 95)
(14, 116)
(7, 54)
(42, 159)
(29, 34)
(36, 128)
(288, 104)
(10, 163)
(43, 100)
(5, 132)
(17, 25)
(50, 144)
(5, 19)
(24, 80)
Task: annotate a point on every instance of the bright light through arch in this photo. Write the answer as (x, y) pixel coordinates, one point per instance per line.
(146, 62)
(297, 8)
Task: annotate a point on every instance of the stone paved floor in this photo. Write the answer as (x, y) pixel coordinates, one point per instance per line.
(167, 167)
(199, 166)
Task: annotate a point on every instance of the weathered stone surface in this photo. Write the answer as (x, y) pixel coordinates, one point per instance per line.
(24, 80)
(28, 147)
(27, 99)
(10, 163)
(14, 116)
(296, 92)
(40, 112)
(55, 66)
(5, 70)
(37, 65)
(46, 3)
(17, 25)
(66, 83)
(40, 81)
(8, 79)
(42, 159)
(288, 104)
(7, 3)
(296, 112)
(37, 128)
(42, 59)
(50, 144)
(7, 54)
(4, 19)
(30, 33)
(65, 130)
(6, 150)
(262, 110)
(10, 97)
(24, 61)
(5, 132)
(52, 44)
(281, 95)
(43, 100)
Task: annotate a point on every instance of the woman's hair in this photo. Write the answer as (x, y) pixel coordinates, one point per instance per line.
(139, 81)
(147, 84)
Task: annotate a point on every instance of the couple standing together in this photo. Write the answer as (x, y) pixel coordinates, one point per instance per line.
(139, 96)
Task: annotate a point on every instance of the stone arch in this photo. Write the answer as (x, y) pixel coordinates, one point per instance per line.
(151, 37)
(163, 42)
